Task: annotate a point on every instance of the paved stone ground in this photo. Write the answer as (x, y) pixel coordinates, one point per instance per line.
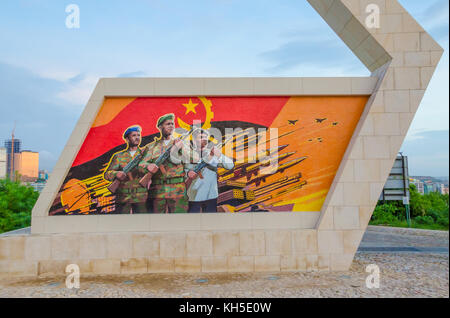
(401, 275)
(405, 275)
(381, 236)
(23, 231)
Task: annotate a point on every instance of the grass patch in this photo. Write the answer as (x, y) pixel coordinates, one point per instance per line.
(414, 225)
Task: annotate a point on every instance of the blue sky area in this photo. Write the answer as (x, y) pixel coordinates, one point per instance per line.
(47, 71)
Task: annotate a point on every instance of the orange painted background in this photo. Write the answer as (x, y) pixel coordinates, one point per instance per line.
(324, 142)
(313, 130)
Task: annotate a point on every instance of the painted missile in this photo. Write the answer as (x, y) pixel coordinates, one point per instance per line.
(252, 169)
(280, 169)
(290, 164)
(272, 151)
(270, 196)
(242, 145)
(267, 161)
(240, 135)
(272, 187)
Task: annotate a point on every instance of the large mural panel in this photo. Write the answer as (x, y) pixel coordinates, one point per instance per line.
(209, 154)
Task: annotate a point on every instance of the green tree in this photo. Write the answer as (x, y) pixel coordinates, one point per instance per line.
(16, 203)
(384, 214)
(418, 203)
(427, 211)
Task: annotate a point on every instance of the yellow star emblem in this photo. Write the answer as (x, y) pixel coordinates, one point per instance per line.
(190, 107)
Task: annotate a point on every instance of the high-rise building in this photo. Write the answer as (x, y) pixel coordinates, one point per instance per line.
(3, 161)
(28, 165)
(43, 175)
(428, 187)
(11, 160)
(419, 185)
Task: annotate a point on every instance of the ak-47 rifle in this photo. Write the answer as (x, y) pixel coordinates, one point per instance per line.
(127, 170)
(202, 164)
(197, 169)
(146, 180)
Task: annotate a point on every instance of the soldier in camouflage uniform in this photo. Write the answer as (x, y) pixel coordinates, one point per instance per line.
(130, 195)
(167, 192)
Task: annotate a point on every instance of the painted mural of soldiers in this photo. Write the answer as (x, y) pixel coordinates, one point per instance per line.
(167, 191)
(130, 195)
(203, 191)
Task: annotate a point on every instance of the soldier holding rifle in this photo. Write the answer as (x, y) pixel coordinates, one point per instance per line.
(124, 173)
(201, 183)
(164, 170)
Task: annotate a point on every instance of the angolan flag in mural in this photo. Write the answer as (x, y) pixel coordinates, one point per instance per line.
(237, 154)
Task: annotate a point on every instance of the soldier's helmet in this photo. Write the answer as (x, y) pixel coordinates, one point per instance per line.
(131, 129)
(163, 118)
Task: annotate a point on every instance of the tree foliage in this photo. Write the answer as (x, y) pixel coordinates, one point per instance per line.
(16, 203)
(429, 211)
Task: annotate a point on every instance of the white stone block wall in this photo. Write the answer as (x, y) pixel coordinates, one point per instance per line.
(402, 58)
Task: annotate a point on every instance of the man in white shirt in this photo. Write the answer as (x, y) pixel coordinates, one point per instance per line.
(203, 191)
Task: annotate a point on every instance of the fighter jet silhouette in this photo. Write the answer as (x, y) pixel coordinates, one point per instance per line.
(319, 120)
(292, 122)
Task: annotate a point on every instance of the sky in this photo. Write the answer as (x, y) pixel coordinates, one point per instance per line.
(47, 71)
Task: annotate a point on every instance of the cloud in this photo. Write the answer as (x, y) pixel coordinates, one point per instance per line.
(74, 88)
(46, 107)
(41, 121)
(428, 153)
(77, 78)
(436, 20)
(58, 75)
(46, 160)
(77, 90)
(306, 53)
(437, 13)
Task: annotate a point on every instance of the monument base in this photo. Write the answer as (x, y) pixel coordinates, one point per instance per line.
(178, 252)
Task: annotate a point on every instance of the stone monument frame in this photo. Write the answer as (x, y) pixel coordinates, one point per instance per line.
(169, 87)
(402, 58)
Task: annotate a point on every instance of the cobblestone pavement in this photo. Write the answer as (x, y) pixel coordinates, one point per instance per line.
(401, 275)
(385, 236)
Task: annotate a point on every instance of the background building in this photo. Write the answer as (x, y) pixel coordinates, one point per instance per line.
(3, 163)
(43, 175)
(27, 165)
(419, 185)
(11, 161)
(15, 161)
(431, 184)
(41, 181)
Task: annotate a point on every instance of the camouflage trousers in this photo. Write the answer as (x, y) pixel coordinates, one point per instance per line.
(178, 205)
(126, 208)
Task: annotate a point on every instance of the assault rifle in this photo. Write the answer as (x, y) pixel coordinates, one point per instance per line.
(146, 180)
(127, 170)
(199, 166)
(197, 169)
